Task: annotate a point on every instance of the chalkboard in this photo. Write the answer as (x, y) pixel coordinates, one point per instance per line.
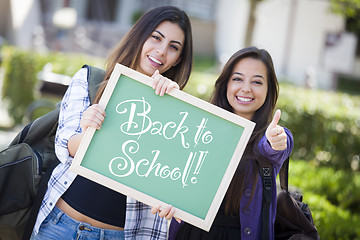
(174, 149)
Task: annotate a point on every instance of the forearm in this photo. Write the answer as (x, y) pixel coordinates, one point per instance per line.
(74, 143)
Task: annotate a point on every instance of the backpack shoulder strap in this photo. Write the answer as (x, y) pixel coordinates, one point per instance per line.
(264, 166)
(95, 76)
(284, 175)
(266, 170)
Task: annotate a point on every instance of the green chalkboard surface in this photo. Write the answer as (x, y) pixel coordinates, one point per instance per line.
(173, 149)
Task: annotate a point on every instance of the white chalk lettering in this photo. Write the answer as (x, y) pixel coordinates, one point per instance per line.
(136, 119)
(206, 137)
(180, 129)
(131, 127)
(120, 164)
(125, 166)
(137, 122)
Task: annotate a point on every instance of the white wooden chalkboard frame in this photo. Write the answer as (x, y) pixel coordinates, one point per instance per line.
(204, 224)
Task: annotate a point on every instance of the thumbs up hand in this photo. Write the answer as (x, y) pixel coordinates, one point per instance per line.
(276, 134)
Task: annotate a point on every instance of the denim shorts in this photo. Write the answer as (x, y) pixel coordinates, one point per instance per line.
(57, 225)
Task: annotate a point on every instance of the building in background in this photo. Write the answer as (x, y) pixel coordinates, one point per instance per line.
(308, 43)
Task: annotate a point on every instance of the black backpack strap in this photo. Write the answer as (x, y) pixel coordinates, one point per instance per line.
(264, 166)
(24, 132)
(266, 171)
(284, 175)
(37, 201)
(20, 137)
(95, 76)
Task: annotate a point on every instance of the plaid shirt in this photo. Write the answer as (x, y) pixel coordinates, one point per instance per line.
(139, 222)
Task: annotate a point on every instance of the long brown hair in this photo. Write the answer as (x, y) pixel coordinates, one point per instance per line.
(129, 49)
(246, 171)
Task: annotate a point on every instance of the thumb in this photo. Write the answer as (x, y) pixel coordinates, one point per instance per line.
(276, 119)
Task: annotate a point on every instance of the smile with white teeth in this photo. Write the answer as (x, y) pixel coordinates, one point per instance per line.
(155, 60)
(244, 99)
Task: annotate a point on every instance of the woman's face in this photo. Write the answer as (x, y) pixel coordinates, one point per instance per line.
(247, 87)
(162, 49)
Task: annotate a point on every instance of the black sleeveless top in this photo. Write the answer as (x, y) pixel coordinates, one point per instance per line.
(96, 201)
(224, 227)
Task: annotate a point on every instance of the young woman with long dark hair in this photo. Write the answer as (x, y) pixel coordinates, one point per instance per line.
(158, 45)
(248, 87)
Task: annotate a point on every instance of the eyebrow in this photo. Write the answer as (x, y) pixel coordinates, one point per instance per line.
(162, 35)
(260, 76)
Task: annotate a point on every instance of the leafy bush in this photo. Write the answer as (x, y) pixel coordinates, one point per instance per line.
(333, 197)
(348, 84)
(202, 78)
(342, 188)
(68, 63)
(325, 125)
(21, 69)
(200, 85)
(19, 82)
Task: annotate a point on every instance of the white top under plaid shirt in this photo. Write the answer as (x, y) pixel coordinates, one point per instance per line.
(139, 222)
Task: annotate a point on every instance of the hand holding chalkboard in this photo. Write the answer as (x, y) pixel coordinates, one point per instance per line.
(162, 84)
(166, 212)
(92, 117)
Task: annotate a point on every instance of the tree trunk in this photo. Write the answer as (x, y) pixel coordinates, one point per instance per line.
(251, 22)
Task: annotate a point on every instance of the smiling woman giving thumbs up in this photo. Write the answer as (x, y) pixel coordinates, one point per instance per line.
(247, 87)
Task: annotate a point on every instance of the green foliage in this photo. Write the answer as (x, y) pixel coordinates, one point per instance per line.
(204, 64)
(19, 82)
(341, 188)
(63, 63)
(202, 79)
(136, 15)
(350, 9)
(348, 84)
(325, 125)
(200, 85)
(21, 69)
(347, 8)
(333, 197)
(68, 63)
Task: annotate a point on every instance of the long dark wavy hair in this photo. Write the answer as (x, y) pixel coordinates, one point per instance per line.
(129, 49)
(245, 174)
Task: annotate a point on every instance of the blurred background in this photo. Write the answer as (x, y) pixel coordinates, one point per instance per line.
(315, 48)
